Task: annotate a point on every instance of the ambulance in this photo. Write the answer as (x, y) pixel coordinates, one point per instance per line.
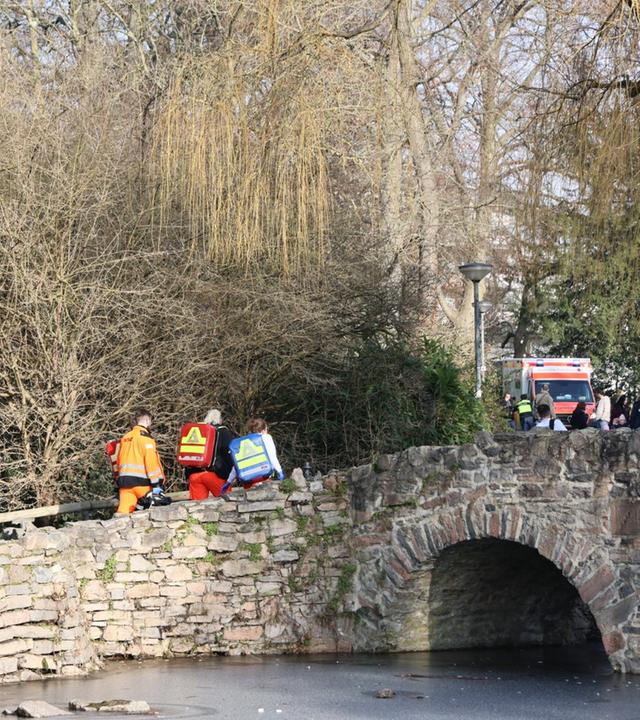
(569, 381)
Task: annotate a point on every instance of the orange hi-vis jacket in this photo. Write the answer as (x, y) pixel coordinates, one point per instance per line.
(138, 460)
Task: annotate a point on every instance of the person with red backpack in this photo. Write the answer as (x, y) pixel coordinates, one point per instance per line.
(212, 478)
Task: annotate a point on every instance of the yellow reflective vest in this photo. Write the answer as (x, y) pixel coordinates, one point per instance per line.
(524, 407)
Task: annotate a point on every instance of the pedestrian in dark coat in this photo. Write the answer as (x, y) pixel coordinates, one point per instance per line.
(579, 417)
(634, 419)
(620, 413)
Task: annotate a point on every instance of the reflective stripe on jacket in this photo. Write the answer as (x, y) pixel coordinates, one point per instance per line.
(138, 459)
(524, 407)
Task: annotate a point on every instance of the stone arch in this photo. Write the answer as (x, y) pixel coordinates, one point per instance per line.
(489, 592)
(416, 542)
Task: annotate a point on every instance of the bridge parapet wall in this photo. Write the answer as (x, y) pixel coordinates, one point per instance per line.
(267, 572)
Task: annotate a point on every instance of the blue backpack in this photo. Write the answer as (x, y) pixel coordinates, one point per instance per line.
(249, 455)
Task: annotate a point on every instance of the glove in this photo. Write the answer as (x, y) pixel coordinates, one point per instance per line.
(281, 476)
(157, 490)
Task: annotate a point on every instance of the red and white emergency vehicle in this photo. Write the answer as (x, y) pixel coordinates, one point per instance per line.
(569, 381)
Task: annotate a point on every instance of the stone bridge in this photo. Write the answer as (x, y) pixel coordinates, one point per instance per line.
(518, 539)
(527, 538)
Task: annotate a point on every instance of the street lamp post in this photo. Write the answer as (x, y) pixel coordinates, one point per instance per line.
(485, 306)
(476, 272)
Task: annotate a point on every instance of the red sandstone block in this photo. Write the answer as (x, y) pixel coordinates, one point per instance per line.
(457, 529)
(243, 632)
(596, 584)
(449, 531)
(399, 568)
(368, 540)
(433, 504)
(494, 526)
(418, 544)
(625, 517)
(613, 642)
(547, 544)
(604, 599)
(462, 530)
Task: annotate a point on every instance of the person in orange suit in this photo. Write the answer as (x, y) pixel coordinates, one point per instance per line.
(139, 468)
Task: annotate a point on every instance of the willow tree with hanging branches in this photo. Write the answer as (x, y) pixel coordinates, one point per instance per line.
(241, 140)
(245, 170)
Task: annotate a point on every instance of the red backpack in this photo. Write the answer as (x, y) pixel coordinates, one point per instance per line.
(196, 446)
(112, 449)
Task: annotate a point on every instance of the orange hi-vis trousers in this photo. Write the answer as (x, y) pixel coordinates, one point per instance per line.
(203, 483)
(129, 497)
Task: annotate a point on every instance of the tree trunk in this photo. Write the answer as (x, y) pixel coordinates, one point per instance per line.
(522, 334)
(394, 139)
(426, 196)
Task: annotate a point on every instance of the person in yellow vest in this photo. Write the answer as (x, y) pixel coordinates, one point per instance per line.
(138, 466)
(525, 413)
(259, 426)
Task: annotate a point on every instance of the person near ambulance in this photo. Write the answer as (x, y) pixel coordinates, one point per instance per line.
(544, 398)
(579, 417)
(525, 412)
(139, 470)
(546, 421)
(602, 416)
(620, 412)
(507, 409)
(211, 480)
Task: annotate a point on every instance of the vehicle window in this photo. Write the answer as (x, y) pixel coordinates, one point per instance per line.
(567, 390)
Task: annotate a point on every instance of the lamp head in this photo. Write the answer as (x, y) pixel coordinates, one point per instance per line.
(475, 271)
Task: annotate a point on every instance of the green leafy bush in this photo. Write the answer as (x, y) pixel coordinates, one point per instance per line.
(387, 396)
